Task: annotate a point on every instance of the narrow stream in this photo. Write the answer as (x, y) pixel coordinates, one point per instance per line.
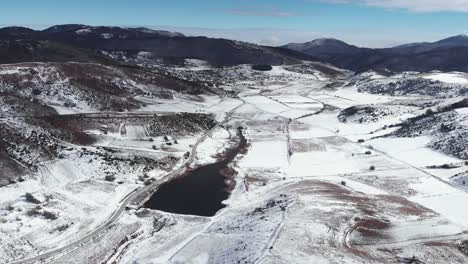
(201, 191)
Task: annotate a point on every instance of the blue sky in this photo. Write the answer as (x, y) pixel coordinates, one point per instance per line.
(371, 23)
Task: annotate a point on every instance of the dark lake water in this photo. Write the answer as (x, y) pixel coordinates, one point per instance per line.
(199, 192)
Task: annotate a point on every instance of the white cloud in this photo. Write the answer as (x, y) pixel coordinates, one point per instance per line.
(412, 5)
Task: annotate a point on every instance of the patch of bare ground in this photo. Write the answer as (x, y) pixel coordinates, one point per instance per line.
(298, 126)
(338, 192)
(407, 207)
(250, 181)
(300, 146)
(335, 141)
(368, 203)
(439, 244)
(371, 227)
(255, 180)
(390, 251)
(360, 253)
(392, 184)
(330, 108)
(363, 218)
(229, 175)
(264, 129)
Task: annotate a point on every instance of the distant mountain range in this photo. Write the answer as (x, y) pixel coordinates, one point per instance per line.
(452, 42)
(82, 43)
(450, 54)
(24, 44)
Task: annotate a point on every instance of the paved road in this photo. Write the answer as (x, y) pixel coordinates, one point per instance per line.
(129, 200)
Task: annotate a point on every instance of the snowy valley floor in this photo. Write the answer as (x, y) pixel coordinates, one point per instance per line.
(309, 188)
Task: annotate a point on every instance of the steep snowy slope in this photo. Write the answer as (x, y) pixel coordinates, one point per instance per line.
(85, 87)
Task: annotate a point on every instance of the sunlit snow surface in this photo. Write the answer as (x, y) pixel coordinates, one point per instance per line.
(459, 78)
(308, 189)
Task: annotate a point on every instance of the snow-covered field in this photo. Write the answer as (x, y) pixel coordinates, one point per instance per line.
(326, 177)
(449, 77)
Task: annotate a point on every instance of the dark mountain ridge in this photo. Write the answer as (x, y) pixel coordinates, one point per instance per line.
(161, 44)
(451, 42)
(85, 43)
(448, 54)
(323, 45)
